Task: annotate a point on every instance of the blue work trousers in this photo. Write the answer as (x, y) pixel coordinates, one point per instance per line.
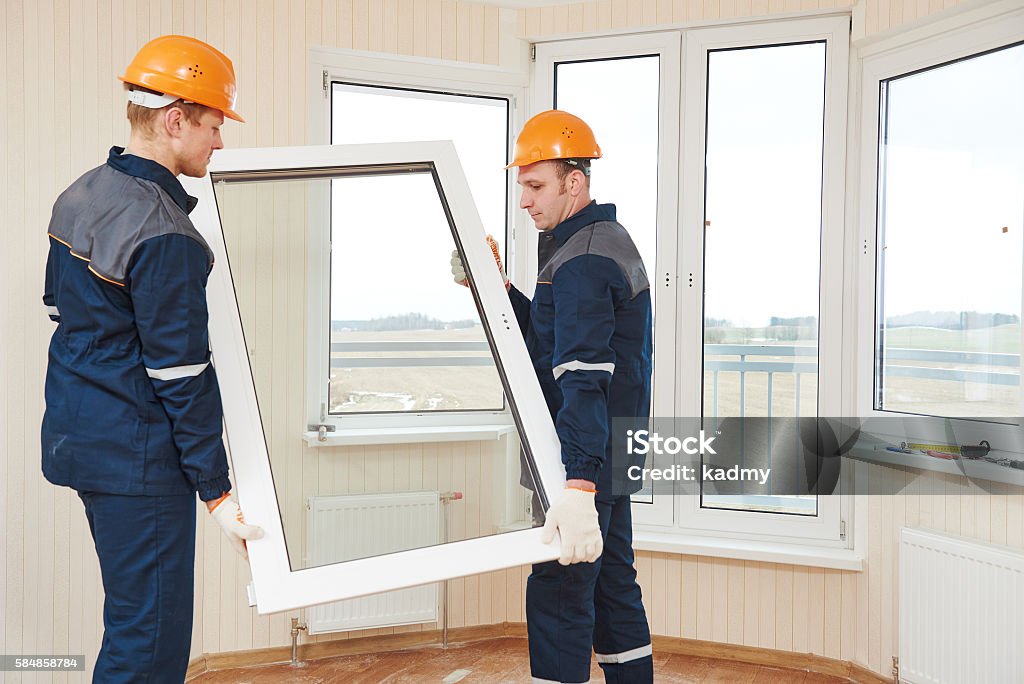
(570, 609)
(146, 549)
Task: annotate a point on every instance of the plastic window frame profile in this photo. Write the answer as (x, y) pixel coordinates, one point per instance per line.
(277, 586)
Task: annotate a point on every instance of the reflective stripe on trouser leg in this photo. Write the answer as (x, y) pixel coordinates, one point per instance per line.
(625, 656)
(146, 549)
(570, 609)
(622, 638)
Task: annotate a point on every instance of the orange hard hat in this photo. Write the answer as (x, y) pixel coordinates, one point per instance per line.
(183, 68)
(554, 134)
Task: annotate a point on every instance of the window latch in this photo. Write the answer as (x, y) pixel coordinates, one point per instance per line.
(321, 431)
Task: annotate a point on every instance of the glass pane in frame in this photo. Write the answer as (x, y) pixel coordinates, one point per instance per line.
(404, 337)
(762, 242)
(950, 228)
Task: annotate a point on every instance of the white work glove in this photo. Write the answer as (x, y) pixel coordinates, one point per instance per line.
(575, 517)
(229, 516)
(459, 271)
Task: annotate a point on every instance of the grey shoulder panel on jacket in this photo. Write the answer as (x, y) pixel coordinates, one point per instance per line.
(105, 215)
(607, 239)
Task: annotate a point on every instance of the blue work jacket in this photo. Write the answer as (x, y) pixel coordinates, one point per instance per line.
(589, 334)
(132, 402)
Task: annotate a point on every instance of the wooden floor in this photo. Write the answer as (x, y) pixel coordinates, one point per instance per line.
(495, 660)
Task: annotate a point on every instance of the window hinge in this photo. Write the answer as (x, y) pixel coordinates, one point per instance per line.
(327, 81)
(533, 53)
(842, 529)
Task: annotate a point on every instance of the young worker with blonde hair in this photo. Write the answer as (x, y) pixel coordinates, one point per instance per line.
(133, 415)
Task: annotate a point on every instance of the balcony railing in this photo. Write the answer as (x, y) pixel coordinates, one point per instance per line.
(385, 357)
(418, 357)
(797, 367)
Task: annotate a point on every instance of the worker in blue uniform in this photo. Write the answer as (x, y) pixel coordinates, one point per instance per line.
(589, 333)
(133, 416)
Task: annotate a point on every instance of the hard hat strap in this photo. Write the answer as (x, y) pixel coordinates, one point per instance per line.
(151, 100)
(579, 164)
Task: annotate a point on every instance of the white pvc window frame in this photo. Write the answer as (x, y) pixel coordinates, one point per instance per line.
(277, 586)
(962, 35)
(327, 65)
(677, 386)
(825, 528)
(663, 275)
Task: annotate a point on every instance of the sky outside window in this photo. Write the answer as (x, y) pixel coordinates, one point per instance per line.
(478, 127)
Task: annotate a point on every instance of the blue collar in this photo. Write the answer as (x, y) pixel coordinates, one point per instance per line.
(152, 171)
(592, 213)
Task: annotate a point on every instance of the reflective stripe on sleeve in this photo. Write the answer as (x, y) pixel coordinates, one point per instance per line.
(177, 372)
(580, 365)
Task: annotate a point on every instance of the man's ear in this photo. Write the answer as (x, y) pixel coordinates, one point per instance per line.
(579, 181)
(173, 120)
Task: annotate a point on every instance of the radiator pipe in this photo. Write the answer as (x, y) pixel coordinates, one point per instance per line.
(296, 627)
(446, 498)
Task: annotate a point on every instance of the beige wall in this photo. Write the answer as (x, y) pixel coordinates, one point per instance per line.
(62, 109)
(878, 15)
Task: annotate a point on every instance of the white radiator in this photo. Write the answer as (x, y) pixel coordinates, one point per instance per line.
(961, 613)
(344, 528)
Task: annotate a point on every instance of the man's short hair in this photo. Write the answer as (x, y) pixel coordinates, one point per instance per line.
(563, 167)
(143, 119)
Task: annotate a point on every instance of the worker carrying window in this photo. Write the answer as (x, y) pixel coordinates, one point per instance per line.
(589, 334)
(133, 415)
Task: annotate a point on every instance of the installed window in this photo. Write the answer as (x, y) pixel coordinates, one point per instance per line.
(950, 219)
(406, 338)
(762, 240)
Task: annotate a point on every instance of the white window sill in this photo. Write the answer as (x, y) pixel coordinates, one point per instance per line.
(408, 435)
(646, 539)
(978, 470)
